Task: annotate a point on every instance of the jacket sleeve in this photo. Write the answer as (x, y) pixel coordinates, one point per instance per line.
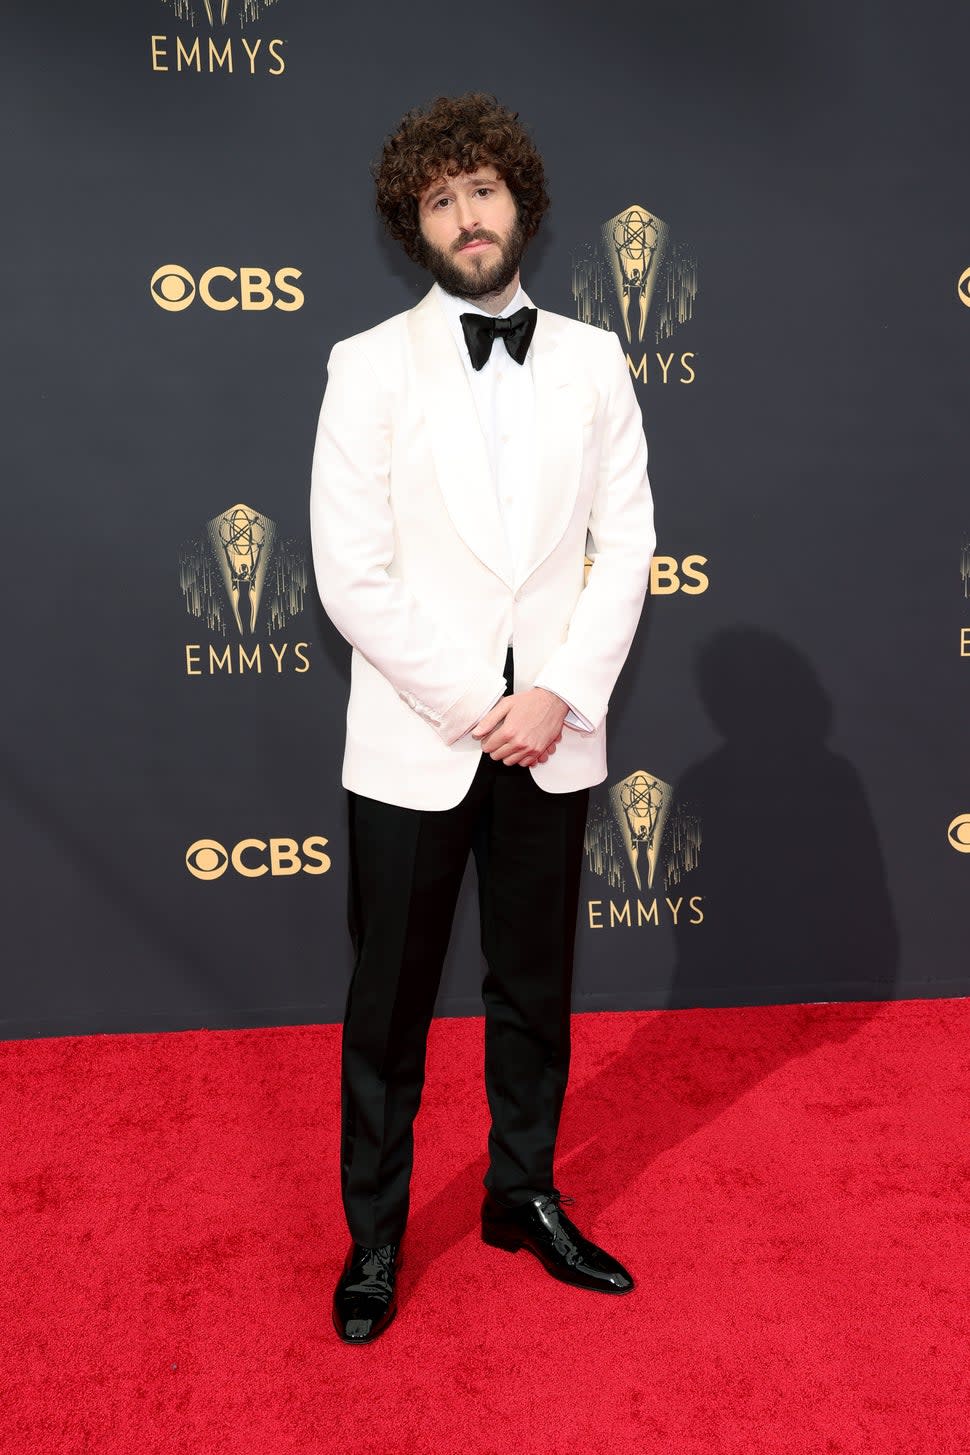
(584, 668)
(573, 719)
(442, 678)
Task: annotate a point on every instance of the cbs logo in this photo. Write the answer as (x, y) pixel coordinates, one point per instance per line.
(251, 289)
(252, 858)
(963, 287)
(668, 575)
(959, 833)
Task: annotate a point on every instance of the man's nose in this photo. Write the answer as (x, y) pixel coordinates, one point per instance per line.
(467, 214)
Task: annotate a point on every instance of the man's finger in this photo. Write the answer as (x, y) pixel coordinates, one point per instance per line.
(492, 718)
(505, 753)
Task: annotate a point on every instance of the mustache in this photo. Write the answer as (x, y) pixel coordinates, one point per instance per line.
(474, 237)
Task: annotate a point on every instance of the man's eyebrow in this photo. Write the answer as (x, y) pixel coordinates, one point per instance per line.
(470, 182)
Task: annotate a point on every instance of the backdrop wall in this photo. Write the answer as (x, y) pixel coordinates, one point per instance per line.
(768, 204)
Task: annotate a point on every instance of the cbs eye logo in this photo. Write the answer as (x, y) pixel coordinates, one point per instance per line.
(963, 287)
(222, 289)
(252, 858)
(959, 833)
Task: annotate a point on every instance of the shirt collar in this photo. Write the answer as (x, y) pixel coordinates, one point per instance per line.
(455, 307)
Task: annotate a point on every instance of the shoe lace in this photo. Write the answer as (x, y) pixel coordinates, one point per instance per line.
(563, 1237)
(375, 1266)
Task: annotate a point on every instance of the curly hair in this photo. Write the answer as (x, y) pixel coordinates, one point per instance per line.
(456, 134)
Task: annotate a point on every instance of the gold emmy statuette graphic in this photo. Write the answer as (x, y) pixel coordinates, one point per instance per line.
(636, 268)
(641, 804)
(243, 542)
(244, 570)
(218, 11)
(635, 242)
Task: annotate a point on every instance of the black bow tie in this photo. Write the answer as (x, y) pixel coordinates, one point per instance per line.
(480, 331)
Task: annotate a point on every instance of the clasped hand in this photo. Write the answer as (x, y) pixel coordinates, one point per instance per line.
(522, 727)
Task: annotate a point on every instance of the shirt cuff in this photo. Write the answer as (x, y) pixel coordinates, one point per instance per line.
(573, 718)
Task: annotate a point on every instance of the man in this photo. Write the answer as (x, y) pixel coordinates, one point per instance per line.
(470, 452)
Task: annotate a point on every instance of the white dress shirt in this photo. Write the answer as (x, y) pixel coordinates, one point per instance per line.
(505, 399)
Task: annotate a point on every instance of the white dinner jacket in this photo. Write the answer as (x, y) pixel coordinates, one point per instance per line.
(413, 565)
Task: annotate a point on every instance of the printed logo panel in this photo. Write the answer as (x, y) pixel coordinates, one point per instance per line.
(643, 843)
(220, 36)
(208, 859)
(246, 584)
(641, 282)
(222, 289)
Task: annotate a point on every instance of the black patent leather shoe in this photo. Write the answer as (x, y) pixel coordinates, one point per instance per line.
(541, 1226)
(364, 1301)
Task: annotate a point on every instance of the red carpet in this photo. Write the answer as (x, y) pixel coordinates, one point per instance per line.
(789, 1184)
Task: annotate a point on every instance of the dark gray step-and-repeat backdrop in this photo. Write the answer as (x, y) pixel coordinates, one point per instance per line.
(768, 204)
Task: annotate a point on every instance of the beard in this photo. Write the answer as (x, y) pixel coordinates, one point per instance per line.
(474, 278)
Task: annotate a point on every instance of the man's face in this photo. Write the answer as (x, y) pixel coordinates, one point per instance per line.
(471, 237)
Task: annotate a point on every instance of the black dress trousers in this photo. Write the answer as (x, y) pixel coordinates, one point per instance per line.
(406, 868)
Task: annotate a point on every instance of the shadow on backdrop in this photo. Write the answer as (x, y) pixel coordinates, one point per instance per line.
(791, 868)
(797, 909)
